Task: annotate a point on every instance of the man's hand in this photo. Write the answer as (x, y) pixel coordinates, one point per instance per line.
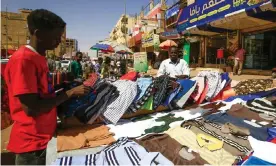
(80, 90)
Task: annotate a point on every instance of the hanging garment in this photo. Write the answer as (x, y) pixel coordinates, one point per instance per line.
(214, 83)
(253, 86)
(170, 148)
(116, 109)
(83, 137)
(122, 152)
(188, 138)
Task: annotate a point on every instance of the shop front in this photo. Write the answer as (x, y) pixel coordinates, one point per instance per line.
(225, 25)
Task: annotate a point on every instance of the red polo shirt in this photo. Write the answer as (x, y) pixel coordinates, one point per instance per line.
(27, 73)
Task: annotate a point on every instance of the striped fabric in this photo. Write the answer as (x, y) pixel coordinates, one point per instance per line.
(122, 152)
(261, 106)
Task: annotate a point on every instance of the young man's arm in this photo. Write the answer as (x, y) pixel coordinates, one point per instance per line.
(23, 80)
(33, 105)
(162, 69)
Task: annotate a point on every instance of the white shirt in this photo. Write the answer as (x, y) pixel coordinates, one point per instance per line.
(173, 69)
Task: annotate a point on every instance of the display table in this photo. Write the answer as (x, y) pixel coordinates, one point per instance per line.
(52, 154)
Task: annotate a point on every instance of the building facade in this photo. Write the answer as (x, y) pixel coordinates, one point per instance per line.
(15, 33)
(120, 32)
(71, 45)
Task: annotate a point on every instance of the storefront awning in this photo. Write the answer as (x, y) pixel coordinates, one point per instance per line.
(206, 12)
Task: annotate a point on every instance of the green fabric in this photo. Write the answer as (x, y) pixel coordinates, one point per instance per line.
(186, 52)
(141, 118)
(168, 119)
(76, 69)
(148, 104)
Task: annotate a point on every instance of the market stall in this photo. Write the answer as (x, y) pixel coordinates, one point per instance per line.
(140, 120)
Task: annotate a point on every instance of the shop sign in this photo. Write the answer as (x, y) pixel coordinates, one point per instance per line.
(147, 40)
(170, 34)
(140, 62)
(203, 11)
(172, 11)
(156, 42)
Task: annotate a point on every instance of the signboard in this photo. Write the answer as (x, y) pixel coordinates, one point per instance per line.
(140, 62)
(147, 40)
(172, 11)
(205, 11)
(156, 42)
(170, 34)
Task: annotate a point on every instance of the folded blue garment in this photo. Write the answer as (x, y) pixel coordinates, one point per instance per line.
(143, 84)
(186, 85)
(253, 95)
(252, 160)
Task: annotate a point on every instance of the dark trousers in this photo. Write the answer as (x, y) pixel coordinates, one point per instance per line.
(31, 158)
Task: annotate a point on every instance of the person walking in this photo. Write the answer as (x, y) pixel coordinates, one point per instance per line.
(75, 66)
(239, 59)
(32, 97)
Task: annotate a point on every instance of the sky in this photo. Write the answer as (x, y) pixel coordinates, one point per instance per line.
(88, 21)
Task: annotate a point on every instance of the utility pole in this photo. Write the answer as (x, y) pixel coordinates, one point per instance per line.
(7, 38)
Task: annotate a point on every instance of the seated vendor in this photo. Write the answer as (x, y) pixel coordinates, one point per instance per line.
(174, 66)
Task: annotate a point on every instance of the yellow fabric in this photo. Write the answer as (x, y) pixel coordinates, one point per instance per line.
(188, 138)
(209, 142)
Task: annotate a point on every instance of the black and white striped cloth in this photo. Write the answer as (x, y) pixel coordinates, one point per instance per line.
(261, 105)
(122, 152)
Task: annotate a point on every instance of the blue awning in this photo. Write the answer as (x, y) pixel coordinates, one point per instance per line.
(203, 12)
(172, 11)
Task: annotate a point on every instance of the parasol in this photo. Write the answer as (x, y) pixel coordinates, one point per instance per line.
(102, 47)
(118, 48)
(167, 44)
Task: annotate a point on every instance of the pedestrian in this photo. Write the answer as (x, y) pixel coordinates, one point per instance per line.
(98, 65)
(51, 63)
(75, 66)
(239, 59)
(105, 68)
(32, 98)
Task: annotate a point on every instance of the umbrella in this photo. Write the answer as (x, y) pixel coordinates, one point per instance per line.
(102, 47)
(118, 48)
(167, 44)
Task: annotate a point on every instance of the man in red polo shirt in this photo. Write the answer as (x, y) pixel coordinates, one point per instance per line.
(32, 98)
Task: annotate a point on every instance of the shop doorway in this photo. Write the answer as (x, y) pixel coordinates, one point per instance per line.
(195, 52)
(215, 43)
(260, 50)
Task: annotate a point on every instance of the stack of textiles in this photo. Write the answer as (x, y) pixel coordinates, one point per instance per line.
(220, 133)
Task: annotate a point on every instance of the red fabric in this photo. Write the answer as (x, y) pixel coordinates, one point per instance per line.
(203, 94)
(273, 141)
(220, 94)
(132, 76)
(27, 72)
(220, 53)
